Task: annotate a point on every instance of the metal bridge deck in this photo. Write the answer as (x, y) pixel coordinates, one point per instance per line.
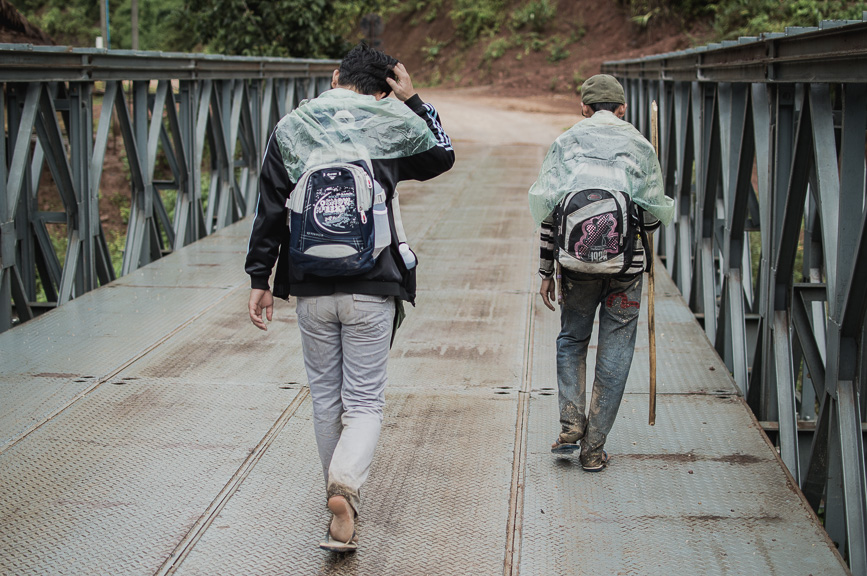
(148, 428)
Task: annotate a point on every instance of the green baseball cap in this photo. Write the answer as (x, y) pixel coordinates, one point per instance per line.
(602, 88)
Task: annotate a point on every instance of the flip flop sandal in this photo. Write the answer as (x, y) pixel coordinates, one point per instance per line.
(599, 467)
(564, 447)
(333, 545)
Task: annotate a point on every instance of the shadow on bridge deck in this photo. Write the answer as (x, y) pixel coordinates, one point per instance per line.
(148, 428)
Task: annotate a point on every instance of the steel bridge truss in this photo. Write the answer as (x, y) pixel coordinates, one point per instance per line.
(762, 144)
(205, 118)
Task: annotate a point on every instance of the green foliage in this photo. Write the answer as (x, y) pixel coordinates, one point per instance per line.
(162, 23)
(476, 18)
(530, 42)
(300, 28)
(557, 49)
(70, 23)
(684, 9)
(535, 15)
(163, 26)
(116, 248)
(643, 20)
(578, 32)
(578, 78)
(432, 49)
(752, 17)
(59, 240)
(734, 18)
(496, 49)
(287, 28)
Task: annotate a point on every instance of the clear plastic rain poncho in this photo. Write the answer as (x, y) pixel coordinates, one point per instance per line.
(601, 152)
(344, 126)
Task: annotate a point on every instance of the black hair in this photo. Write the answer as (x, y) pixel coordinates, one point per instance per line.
(608, 106)
(366, 69)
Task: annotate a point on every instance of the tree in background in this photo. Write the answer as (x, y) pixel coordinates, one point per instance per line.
(288, 28)
(751, 17)
(162, 23)
(69, 22)
(297, 28)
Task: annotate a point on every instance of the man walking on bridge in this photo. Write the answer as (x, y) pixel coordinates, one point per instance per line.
(335, 162)
(599, 189)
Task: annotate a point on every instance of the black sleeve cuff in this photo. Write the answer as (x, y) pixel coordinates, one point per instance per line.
(259, 283)
(415, 102)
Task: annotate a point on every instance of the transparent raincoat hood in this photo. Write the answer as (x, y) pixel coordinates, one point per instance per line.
(343, 126)
(601, 152)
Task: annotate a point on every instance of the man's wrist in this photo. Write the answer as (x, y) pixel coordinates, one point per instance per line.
(259, 283)
(415, 102)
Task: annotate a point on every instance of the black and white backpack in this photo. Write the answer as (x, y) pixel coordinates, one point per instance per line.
(599, 233)
(338, 222)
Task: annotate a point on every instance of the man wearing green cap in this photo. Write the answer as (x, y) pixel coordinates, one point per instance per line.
(602, 152)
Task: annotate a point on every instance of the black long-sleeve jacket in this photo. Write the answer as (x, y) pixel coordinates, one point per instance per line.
(270, 236)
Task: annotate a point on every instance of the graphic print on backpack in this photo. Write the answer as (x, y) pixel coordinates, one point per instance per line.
(334, 207)
(330, 220)
(597, 232)
(599, 239)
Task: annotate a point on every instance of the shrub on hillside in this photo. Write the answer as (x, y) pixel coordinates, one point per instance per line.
(752, 17)
(476, 18)
(534, 15)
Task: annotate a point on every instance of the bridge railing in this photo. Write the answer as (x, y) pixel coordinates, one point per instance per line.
(762, 145)
(187, 130)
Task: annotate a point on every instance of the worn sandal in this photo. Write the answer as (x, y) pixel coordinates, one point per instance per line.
(333, 545)
(560, 447)
(597, 467)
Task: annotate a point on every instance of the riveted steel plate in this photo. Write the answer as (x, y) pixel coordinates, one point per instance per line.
(461, 339)
(100, 330)
(436, 501)
(194, 452)
(111, 485)
(216, 260)
(700, 493)
(192, 268)
(27, 400)
(224, 344)
(476, 249)
(472, 266)
(504, 220)
(54, 359)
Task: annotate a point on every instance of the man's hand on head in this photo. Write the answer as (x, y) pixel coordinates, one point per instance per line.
(401, 84)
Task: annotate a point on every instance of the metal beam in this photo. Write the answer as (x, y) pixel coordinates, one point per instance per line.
(792, 169)
(829, 55)
(174, 118)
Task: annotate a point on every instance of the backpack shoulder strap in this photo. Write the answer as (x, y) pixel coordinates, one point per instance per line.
(398, 221)
(645, 241)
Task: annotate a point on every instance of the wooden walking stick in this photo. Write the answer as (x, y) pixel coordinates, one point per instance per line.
(651, 329)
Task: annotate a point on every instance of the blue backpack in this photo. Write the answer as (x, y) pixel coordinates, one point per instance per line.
(338, 222)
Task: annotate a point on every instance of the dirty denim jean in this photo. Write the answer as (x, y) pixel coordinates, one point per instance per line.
(618, 303)
(345, 340)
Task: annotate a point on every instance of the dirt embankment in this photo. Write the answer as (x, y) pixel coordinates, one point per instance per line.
(15, 29)
(590, 31)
